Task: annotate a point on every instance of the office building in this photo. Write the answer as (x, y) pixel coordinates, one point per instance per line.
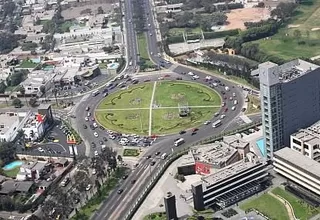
(170, 206)
(299, 170)
(204, 159)
(9, 123)
(230, 184)
(306, 141)
(290, 100)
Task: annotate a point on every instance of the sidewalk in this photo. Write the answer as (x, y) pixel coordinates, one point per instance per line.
(167, 183)
(286, 204)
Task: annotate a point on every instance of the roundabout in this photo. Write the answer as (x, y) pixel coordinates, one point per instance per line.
(158, 108)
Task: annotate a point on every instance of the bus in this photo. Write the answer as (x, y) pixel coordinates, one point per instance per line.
(95, 93)
(216, 124)
(164, 156)
(179, 142)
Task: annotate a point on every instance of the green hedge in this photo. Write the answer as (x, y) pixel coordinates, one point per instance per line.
(175, 39)
(220, 34)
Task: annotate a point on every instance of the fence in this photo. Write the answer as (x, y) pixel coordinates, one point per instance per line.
(155, 178)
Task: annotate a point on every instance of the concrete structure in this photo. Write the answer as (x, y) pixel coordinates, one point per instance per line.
(299, 169)
(170, 8)
(36, 79)
(203, 159)
(306, 141)
(9, 123)
(33, 128)
(170, 206)
(230, 184)
(290, 99)
(30, 170)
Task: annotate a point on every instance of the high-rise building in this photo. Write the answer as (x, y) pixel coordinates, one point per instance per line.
(290, 100)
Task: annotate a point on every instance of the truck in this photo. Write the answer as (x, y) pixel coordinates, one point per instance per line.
(227, 88)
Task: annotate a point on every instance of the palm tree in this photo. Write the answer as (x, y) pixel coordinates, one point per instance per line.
(55, 92)
(22, 91)
(43, 91)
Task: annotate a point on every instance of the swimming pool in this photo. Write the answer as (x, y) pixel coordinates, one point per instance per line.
(12, 165)
(260, 144)
(113, 65)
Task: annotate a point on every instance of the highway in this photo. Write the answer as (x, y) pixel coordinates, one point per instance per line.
(117, 205)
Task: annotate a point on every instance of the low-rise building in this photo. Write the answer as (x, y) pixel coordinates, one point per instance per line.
(206, 158)
(230, 184)
(306, 141)
(9, 123)
(30, 170)
(36, 79)
(299, 170)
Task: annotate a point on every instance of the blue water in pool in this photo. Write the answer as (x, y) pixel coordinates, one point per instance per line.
(13, 165)
(260, 144)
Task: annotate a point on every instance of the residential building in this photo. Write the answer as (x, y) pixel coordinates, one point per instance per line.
(301, 171)
(10, 187)
(204, 159)
(290, 99)
(231, 184)
(306, 141)
(36, 79)
(9, 123)
(33, 128)
(30, 170)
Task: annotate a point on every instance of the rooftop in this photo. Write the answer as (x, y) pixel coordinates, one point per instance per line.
(310, 135)
(285, 72)
(299, 160)
(228, 171)
(186, 160)
(7, 120)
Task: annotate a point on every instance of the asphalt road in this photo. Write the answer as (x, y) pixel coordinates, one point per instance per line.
(117, 205)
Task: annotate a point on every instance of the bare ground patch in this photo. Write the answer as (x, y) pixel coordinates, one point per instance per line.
(75, 12)
(237, 17)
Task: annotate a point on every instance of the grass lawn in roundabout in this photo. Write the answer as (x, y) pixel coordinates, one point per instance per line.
(129, 110)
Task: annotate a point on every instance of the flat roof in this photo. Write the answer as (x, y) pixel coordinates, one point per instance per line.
(299, 160)
(186, 160)
(228, 171)
(7, 120)
(310, 135)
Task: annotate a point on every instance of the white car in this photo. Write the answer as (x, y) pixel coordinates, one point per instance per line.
(222, 116)
(208, 77)
(150, 34)
(96, 134)
(96, 153)
(195, 76)
(40, 149)
(233, 108)
(95, 125)
(191, 74)
(89, 114)
(94, 172)
(86, 119)
(88, 187)
(149, 25)
(112, 137)
(223, 104)
(207, 122)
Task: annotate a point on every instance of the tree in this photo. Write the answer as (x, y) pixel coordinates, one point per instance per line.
(15, 79)
(119, 158)
(33, 102)
(284, 10)
(17, 103)
(2, 87)
(43, 91)
(100, 10)
(22, 91)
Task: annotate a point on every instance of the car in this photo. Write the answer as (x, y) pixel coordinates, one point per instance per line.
(105, 94)
(87, 108)
(167, 75)
(135, 81)
(157, 153)
(150, 34)
(194, 133)
(92, 127)
(133, 181)
(105, 139)
(191, 74)
(231, 98)
(112, 137)
(179, 78)
(85, 126)
(89, 114)
(152, 163)
(223, 104)
(95, 125)
(182, 132)
(86, 119)
(147, 80)
(101, 127)
(92, 119)
(161, 78)
(222, 116)
(101, 142)
(226, 109)
(216, 114)
(149, 25)
(120, 191)
(88, 187)
(243, 109)
(96, 153)
(148, 157)
(93, 144)
(95, 134)
(207, 122)
(195, 77)
(65, 181)
(125, 177)
(195, 129)
(94, 171)
(40, 149)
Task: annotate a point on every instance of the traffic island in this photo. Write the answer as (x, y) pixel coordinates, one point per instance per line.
(131, 152)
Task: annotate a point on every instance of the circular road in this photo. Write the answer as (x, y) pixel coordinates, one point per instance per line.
(158, 108)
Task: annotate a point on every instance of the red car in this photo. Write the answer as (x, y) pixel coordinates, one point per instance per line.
(166, 75)
(195, 129)
(226, 110)
(92, 119)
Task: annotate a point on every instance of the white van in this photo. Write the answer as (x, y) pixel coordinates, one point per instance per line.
(164, 156)
(233, 108)
(179, 142)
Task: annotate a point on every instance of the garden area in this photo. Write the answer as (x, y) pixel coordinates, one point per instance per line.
(131, 152)
(27, 64)
(156, 216)
(128, 111)
(302, 210)
(268, 206)
(254, 105)
(143, 51)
